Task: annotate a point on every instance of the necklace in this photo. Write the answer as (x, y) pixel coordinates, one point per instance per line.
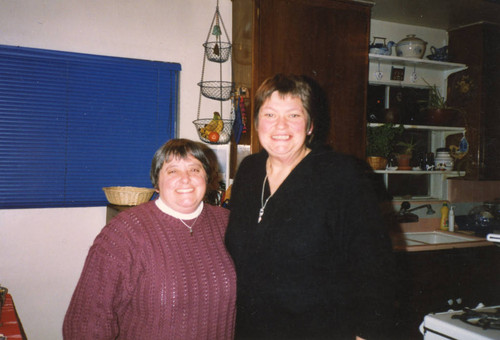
(262, 203)
(191, 226)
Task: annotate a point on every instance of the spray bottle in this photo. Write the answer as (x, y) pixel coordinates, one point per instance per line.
(451, 219)
(444, 216)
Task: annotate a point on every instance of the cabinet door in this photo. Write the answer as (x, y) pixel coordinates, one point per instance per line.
(435, 281)
(326, 40)
(479, 47)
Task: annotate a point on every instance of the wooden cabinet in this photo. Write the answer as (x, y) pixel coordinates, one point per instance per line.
(326, 40)
(478, 46)
(436, 281)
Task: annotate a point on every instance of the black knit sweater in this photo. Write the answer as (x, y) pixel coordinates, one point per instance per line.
(319, 265)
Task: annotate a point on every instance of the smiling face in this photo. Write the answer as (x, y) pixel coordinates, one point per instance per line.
(282, 126)
(182, 183)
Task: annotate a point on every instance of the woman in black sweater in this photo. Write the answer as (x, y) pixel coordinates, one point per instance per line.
(312, 255)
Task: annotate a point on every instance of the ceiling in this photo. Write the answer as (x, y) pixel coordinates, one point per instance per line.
(440, 14)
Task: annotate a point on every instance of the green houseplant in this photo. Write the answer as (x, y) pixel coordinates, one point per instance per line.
(407, 148)
(406, 152)
(380, 143)
(436, 110)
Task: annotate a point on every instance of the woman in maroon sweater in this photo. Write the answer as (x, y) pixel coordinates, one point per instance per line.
(160, 270)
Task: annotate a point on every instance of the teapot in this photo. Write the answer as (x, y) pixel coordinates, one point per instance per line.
(439, 54)
(380, 47)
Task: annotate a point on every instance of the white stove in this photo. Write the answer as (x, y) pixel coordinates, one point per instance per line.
(467, 324)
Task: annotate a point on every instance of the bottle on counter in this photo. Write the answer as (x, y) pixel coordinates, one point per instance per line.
(451, 219)
(444, 216)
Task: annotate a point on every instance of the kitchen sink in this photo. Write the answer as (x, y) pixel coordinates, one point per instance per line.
(435, 237)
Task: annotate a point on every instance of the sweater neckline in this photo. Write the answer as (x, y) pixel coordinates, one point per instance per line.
(169, 211)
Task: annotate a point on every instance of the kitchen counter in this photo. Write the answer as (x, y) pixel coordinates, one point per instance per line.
(399, 244)
(429, 225)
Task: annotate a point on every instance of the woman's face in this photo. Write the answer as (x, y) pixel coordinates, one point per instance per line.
(282, 126)
(182, 184)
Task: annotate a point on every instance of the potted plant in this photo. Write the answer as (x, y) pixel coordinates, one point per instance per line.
(380, 143)
(406, 153)
(436, 110)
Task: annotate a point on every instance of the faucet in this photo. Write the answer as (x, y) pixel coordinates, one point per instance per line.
(405, 213)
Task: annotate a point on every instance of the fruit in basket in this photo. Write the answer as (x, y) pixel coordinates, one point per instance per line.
(215, 125)
(213, 137)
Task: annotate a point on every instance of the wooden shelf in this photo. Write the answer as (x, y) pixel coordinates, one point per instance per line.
(418, 73)
(421, 172)
(423, 63)
(426, 127)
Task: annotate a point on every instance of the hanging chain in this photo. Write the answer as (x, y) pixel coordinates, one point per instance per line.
(215, 30)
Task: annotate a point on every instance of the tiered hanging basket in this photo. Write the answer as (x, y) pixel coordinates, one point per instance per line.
(217, 51)
(224, 135)
(216, 90)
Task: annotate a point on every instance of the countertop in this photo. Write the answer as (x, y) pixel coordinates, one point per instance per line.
(398, 244)
(425, 225)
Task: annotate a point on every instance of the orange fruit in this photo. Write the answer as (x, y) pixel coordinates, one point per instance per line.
(213, 136)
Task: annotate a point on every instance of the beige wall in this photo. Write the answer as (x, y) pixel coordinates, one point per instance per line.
(462, 191)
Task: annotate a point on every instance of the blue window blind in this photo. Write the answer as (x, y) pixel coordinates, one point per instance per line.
(73, 123)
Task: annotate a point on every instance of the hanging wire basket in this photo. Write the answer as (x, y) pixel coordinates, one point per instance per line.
(223, 136)
(216, 130)
(218, 52)
(217, 90)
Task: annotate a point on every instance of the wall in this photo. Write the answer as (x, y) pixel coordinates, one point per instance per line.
(467, 194)
(42, 250)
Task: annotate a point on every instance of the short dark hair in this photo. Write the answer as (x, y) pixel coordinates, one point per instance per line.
(183, 148)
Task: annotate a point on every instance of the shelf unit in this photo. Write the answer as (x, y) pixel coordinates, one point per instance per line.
(434, 72)
(438, 185)
(418, 73)
(438, 133)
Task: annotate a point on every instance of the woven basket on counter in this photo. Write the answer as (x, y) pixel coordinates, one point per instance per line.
(128, 195)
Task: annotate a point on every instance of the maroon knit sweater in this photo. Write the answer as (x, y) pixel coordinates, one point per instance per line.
(147, 277)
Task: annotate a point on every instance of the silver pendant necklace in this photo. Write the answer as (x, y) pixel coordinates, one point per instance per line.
(191, 226)
(262, 203)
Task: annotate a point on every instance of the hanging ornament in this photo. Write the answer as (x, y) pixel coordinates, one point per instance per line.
(216, 31)
(459, 152)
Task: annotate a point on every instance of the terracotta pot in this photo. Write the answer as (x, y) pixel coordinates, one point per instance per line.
(404, 162)
(442, 117)
(377, 163)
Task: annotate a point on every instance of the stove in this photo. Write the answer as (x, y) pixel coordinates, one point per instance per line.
(466, 324)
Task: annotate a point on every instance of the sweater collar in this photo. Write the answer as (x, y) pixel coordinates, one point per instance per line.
(169, 211)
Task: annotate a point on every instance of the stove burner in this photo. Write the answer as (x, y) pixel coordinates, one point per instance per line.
(485, 320)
